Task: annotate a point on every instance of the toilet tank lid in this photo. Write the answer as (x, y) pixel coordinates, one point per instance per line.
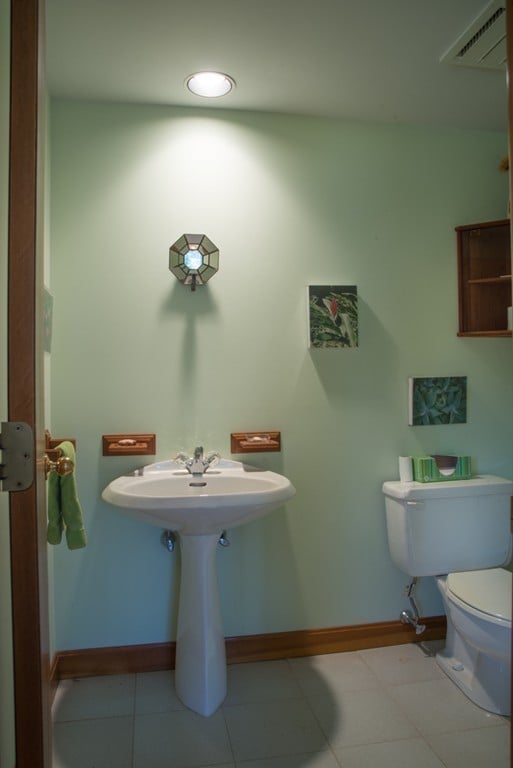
(488, 591)
(484, 484)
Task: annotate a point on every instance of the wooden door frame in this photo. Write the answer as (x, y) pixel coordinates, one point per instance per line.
(25, 389)
(509, 41)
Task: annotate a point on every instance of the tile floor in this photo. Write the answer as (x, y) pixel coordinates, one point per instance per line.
(388, 707)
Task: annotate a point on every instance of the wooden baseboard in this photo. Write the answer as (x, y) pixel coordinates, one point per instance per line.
(312, 642)
(87, 662)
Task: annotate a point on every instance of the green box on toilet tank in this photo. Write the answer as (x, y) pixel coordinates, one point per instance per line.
(434, 469)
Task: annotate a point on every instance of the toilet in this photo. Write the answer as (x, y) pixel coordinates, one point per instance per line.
(459, 532)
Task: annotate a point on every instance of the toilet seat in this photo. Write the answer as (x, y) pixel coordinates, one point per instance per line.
(487, 591)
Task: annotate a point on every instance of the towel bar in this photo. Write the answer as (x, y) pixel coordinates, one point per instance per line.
(51, 444)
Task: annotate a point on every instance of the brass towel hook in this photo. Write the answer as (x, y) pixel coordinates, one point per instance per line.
(63, 466)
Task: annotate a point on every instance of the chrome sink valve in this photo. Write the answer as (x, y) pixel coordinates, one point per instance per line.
(168, 540)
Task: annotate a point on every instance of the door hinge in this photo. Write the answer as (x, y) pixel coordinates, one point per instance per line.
(17, 446)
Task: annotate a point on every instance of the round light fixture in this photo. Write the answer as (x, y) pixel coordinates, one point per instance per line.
(210, 84)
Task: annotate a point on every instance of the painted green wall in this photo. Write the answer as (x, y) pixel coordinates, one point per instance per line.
(289, 201)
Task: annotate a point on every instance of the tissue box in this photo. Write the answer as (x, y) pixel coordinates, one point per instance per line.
(434, 469)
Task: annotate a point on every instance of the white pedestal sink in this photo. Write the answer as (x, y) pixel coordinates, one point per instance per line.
(198, 509)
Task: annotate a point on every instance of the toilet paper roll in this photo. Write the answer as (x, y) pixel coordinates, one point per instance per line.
(405, 469)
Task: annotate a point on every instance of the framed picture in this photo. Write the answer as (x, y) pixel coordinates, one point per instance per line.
(437, 400)
(332, 316)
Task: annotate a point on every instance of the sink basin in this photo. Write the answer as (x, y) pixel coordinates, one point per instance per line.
(199, 508)
(228, 495)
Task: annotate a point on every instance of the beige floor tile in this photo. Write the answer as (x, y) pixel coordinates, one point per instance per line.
(93, 697)
(262, 681)
(180, 739)
(388, 707)
(473, 749)
(438, 706)
(103, 743)
(155, 692)
(333, 672)
(410, 753)
(361, 717)
(324, 759)
(273, 729)
(398, 664)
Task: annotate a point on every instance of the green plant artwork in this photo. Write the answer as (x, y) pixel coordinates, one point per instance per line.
(440, 400)
(332, 316)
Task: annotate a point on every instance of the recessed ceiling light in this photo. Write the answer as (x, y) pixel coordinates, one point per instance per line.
(210, 84)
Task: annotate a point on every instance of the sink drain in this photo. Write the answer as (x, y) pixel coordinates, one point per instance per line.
(197, 485)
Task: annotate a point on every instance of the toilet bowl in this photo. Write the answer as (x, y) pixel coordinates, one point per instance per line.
(477, 652)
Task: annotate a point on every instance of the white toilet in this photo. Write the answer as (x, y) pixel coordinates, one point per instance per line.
(459, 532)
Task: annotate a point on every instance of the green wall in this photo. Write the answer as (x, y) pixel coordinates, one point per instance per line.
(289, 201)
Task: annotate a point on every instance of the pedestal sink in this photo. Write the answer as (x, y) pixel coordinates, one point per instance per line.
(198, 509)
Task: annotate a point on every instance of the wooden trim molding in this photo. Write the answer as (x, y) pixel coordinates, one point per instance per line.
(313, 642)
(87, 662)
(509, 80)
(29, 575)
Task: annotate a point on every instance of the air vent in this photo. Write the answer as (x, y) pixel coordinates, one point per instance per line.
(483, 44)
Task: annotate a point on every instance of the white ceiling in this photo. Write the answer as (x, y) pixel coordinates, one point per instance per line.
(362, 59)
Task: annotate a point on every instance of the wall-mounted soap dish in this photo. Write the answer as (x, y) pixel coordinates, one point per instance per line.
(129, 445)
(255, 442)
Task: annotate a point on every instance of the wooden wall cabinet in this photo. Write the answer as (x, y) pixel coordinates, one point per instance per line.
(484, 278)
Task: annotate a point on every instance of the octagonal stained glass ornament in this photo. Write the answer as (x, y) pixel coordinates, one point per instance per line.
(193, 259)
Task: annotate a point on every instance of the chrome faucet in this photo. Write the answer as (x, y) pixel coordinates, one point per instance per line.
(198, 463)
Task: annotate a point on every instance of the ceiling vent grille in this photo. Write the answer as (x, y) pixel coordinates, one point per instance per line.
(483, 44)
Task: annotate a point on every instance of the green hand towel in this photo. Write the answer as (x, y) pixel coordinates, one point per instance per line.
(64, 510)
(55, 522)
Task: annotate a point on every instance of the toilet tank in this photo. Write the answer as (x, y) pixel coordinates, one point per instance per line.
(457, 525)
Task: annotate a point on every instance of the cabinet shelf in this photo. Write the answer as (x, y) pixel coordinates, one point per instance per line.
(484, 278)
(489, 280)
(484, 333)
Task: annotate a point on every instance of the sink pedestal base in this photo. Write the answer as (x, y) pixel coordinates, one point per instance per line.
(200, 666)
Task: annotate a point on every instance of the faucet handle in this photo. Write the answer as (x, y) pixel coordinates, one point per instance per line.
(181, 459)
(212, 458)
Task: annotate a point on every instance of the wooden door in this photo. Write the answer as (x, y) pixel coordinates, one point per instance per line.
(25, 390)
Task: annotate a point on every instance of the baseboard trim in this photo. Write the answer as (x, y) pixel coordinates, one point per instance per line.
(87, 662)
(312, 642)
